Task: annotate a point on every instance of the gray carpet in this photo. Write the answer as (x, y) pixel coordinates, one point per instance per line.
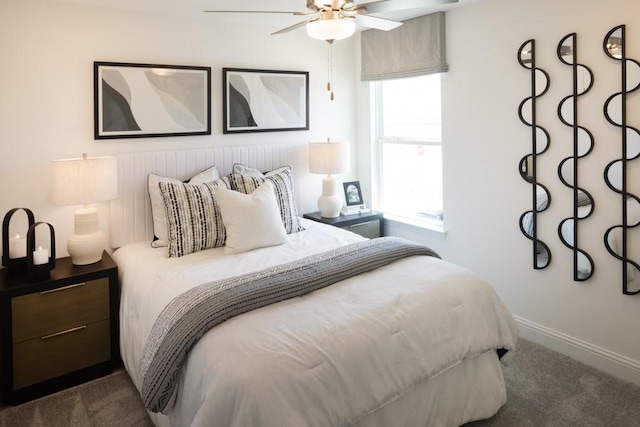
(110, 401)
(544, 389)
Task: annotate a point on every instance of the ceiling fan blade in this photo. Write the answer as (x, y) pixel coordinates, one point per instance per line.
(396, 5)
(252, 11)
(377, 23)
(292, 27)
(349, 5)
(311, 4)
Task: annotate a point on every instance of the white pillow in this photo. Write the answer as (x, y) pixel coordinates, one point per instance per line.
(251, 220)
(282, 179)
(160, 231)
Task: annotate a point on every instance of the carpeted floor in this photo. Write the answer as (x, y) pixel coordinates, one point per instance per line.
(544, 388)
(111, 401)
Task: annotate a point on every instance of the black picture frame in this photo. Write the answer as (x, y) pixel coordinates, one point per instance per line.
(352, 193)
(150, 100)
(264, 100)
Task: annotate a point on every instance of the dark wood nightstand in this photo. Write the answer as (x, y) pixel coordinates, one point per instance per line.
(58, 332)
(370, 224)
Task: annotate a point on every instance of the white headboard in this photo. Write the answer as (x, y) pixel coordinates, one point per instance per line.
(131, 219)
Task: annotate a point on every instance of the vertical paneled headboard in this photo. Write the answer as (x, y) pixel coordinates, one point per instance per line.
(131, 219)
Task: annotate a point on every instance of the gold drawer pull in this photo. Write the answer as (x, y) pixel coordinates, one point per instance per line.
(64, 288)
(77, 328)
(360, 224)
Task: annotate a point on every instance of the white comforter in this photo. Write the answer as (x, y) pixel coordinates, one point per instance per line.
(325, 359)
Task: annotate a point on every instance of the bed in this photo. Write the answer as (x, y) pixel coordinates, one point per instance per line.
(410, 342)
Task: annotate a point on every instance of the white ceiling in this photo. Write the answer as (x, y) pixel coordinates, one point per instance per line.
(402, 9)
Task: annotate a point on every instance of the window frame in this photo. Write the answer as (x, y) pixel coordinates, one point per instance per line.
(431, 227)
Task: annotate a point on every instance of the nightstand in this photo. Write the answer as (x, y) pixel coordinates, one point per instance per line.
(58, 332)
(370, 224)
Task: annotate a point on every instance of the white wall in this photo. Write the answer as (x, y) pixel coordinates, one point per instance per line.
(483, 142)
(46, 87)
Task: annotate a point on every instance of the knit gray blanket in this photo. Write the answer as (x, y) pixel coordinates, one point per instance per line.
(188, 317)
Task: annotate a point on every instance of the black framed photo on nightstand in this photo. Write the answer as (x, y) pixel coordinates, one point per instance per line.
(352, 193)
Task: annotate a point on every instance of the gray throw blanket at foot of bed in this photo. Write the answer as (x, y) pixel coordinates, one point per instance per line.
(188, 317)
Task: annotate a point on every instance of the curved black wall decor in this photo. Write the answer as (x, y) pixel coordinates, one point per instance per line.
(541, 199)
(582, 145)
(616, 238)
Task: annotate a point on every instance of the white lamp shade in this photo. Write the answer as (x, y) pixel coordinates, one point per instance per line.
(329, 157)
(331, 29)
(80, 182)
(83, 181)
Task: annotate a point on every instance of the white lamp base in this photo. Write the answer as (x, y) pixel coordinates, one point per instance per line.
(330, 202)
(87, 242)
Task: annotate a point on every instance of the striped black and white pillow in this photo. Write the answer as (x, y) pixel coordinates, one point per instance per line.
(282, 179)
(193, 216)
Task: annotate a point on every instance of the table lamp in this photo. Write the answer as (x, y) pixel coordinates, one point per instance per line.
(329, 158)
(81, 182)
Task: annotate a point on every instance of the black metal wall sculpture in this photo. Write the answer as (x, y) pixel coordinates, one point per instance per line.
(616, 238)
(582, 145)
(541, 199)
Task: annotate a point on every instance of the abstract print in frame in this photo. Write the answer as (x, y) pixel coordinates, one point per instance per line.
(264, 100)
(147, 100)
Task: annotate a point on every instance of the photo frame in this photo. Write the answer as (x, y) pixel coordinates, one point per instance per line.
(352, 193)
(150, 100)
(264, 100)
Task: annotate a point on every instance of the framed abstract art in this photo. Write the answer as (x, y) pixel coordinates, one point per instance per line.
(264, 100)
(147, 100)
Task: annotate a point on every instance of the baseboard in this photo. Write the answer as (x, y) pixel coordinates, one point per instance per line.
(600, 358)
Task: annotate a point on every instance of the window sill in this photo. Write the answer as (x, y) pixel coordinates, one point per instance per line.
(432, 229)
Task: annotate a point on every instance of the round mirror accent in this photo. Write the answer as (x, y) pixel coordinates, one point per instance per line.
(613, 109)
(633, 213)
(525, 54)
(540, 141)
(585, 204)
(613, 41)
(618, 238)
(633, 143)
(566, 50)
(525, 167)
(566, 112)
(525, 111)
(584, 81)
(613, 173)
(582, 143)
(633, 75)
(585, 142)
(566, 171)
(542, 82)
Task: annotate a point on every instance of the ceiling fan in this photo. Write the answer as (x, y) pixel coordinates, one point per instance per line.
(331, 20)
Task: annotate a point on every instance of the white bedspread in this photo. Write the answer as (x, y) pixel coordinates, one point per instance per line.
(325, 359)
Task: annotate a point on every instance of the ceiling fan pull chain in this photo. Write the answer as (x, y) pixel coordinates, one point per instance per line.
(330, 71)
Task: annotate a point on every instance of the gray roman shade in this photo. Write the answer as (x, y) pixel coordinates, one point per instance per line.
(415, 48)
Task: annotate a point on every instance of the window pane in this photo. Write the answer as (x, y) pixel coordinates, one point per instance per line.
(412, 180)
(411, 108)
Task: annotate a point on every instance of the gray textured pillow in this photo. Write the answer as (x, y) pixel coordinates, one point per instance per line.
(194, 221)
(282, 179)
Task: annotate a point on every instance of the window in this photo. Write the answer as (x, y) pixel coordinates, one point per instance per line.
(409, 148)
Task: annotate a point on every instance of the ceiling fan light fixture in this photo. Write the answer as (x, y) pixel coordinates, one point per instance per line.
(331, 29)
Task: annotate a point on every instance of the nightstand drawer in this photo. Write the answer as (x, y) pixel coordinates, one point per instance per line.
(369, 229)
(39, 314)
(51, 356)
